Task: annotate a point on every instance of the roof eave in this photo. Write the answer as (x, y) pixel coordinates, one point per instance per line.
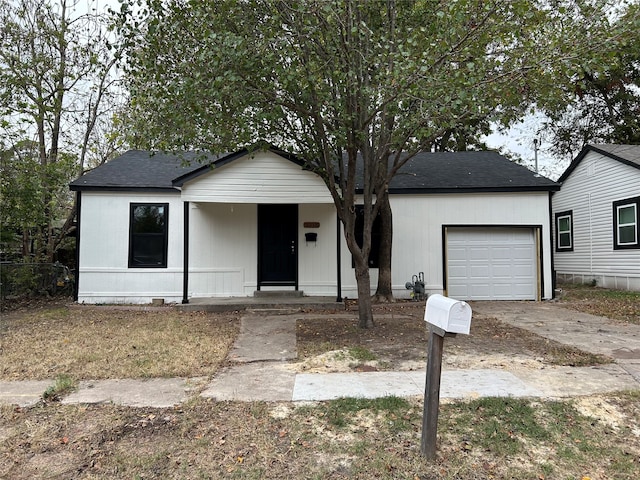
(592, 148)
(111, 188)
(436, 190)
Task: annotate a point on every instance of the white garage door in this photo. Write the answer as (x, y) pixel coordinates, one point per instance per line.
(491, 263)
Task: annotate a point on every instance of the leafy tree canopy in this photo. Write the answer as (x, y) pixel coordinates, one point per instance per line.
(56, 92)
(600, 98)
(342, 82)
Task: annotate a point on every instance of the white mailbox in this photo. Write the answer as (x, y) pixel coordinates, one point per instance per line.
(449, 314)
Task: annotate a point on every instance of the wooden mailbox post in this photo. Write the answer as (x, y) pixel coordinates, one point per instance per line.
(446, 318)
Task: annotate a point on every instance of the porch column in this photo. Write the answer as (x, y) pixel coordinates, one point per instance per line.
(185, 267)
(339, 262)
(77, 252)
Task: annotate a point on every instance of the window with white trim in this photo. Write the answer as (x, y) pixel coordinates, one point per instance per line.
(626, 222)
(564, 231)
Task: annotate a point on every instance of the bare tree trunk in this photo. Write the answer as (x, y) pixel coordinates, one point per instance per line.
(365, 313)
(384, 291)
(25, 244)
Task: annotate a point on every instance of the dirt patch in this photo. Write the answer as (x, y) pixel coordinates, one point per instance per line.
(400, 338)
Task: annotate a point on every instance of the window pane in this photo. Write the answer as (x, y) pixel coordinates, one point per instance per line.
(148, 249)
(564, 224)
(627, 235)
(627, 215)
(148, 219)
(564, 240)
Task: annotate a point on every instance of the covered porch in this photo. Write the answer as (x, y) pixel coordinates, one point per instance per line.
(259, 223)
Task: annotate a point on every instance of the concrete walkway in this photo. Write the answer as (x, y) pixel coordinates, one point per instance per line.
(258, 370)
(261, 378)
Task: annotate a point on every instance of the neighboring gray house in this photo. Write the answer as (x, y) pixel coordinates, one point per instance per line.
(162, 226)
(597, 218)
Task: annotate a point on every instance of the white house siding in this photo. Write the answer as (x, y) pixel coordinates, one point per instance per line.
(589, 191)
(266, 178)
(104, 276)
(223, 253)
(223, 250)
(318, 267)
(417, 233)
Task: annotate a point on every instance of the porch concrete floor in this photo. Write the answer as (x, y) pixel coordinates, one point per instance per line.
(291, 303)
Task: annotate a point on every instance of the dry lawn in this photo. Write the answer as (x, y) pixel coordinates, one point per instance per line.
(615, 304)
(98, 343)
(595, 438)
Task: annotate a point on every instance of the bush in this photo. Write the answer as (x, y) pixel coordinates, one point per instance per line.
(19, 280)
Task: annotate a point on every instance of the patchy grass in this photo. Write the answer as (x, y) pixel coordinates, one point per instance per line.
(482, 439)
(616, 304)
(63, 385)
(362, 354)
(97, 343)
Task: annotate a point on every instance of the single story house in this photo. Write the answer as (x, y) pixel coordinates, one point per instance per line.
(597, 218)
(153, 225)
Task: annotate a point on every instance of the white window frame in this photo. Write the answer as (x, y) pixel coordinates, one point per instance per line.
(618, 206)
(561, 216)
(632, 224)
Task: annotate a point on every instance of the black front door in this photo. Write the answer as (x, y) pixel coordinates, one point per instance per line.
(278, 245)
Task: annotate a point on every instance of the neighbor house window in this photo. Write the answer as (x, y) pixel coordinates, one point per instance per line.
(564, 231)
(148, 235)
(376, 234)
(626, 219)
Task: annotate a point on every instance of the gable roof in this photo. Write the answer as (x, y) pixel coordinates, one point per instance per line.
(627, 154)
(142, 170)
(442, 172)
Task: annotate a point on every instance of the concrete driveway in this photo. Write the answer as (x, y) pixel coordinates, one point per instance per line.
(591, 333)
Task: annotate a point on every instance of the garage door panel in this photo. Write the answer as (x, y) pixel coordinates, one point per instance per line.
(457, 253)
(457, 271)
(501, 271)
(479, 271)
(522, 252)
(522, 288)
(502, 253)
(485, 263)
(480, 290)
(524, 272)
(475, 253)
(503, 291)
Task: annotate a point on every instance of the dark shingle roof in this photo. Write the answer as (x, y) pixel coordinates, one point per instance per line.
(138, 169)
(466, 171)
(424, 173)
(627, 154)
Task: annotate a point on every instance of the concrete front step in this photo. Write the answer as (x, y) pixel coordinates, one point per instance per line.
(278, 293)
(253, 303)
